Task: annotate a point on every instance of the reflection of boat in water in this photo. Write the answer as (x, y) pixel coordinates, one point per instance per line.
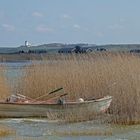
(27, 107)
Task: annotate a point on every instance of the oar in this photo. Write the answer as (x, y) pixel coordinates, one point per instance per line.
(50, 93)
(58, 96)
(64, 94)
(55, 90)
(23, 96)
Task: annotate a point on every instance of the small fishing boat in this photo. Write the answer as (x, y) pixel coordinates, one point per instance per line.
(26, 107)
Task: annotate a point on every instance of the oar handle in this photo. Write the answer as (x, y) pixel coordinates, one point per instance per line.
(64, 94)
(55, 90)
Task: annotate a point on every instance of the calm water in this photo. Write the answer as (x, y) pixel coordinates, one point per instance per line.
(43, 129)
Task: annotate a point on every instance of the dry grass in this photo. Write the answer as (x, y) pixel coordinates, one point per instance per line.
(4, 88)
(91, 76)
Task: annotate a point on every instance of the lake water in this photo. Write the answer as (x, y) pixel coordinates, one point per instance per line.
(43, 129)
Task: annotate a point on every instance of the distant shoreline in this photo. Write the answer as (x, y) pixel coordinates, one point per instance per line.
(54, 47)
(46, 51)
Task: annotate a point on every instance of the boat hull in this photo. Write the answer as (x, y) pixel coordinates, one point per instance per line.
(20, 110)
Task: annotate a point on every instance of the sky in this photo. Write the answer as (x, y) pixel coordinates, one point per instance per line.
(69, 21)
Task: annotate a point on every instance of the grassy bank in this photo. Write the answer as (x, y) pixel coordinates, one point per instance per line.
(88, 76)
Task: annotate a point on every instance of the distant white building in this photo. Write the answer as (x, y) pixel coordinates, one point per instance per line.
(27, 44)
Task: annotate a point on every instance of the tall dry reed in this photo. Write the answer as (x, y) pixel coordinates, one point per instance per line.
(4, 88)
(88, 76)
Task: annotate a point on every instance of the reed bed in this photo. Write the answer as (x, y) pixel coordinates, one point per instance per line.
(4, 87)
(93, 75)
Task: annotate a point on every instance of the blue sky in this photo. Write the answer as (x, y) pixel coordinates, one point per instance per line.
(69, 21)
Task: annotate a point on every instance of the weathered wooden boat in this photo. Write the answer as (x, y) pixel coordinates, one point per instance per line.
(44, 109)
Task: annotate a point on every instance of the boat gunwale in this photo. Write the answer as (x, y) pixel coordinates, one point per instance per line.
(67, 103)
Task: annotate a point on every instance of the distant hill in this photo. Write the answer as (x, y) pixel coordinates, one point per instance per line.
(54, 47)
(50, 48)
(47, 47)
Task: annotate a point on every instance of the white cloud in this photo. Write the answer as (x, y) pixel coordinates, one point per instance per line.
(44, 29)
(37, 14)
(76, 26)
(116, 27)
(66, 16)
(79, 27)
(8, 27)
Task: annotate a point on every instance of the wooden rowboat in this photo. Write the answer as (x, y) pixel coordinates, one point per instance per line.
(38, 109)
